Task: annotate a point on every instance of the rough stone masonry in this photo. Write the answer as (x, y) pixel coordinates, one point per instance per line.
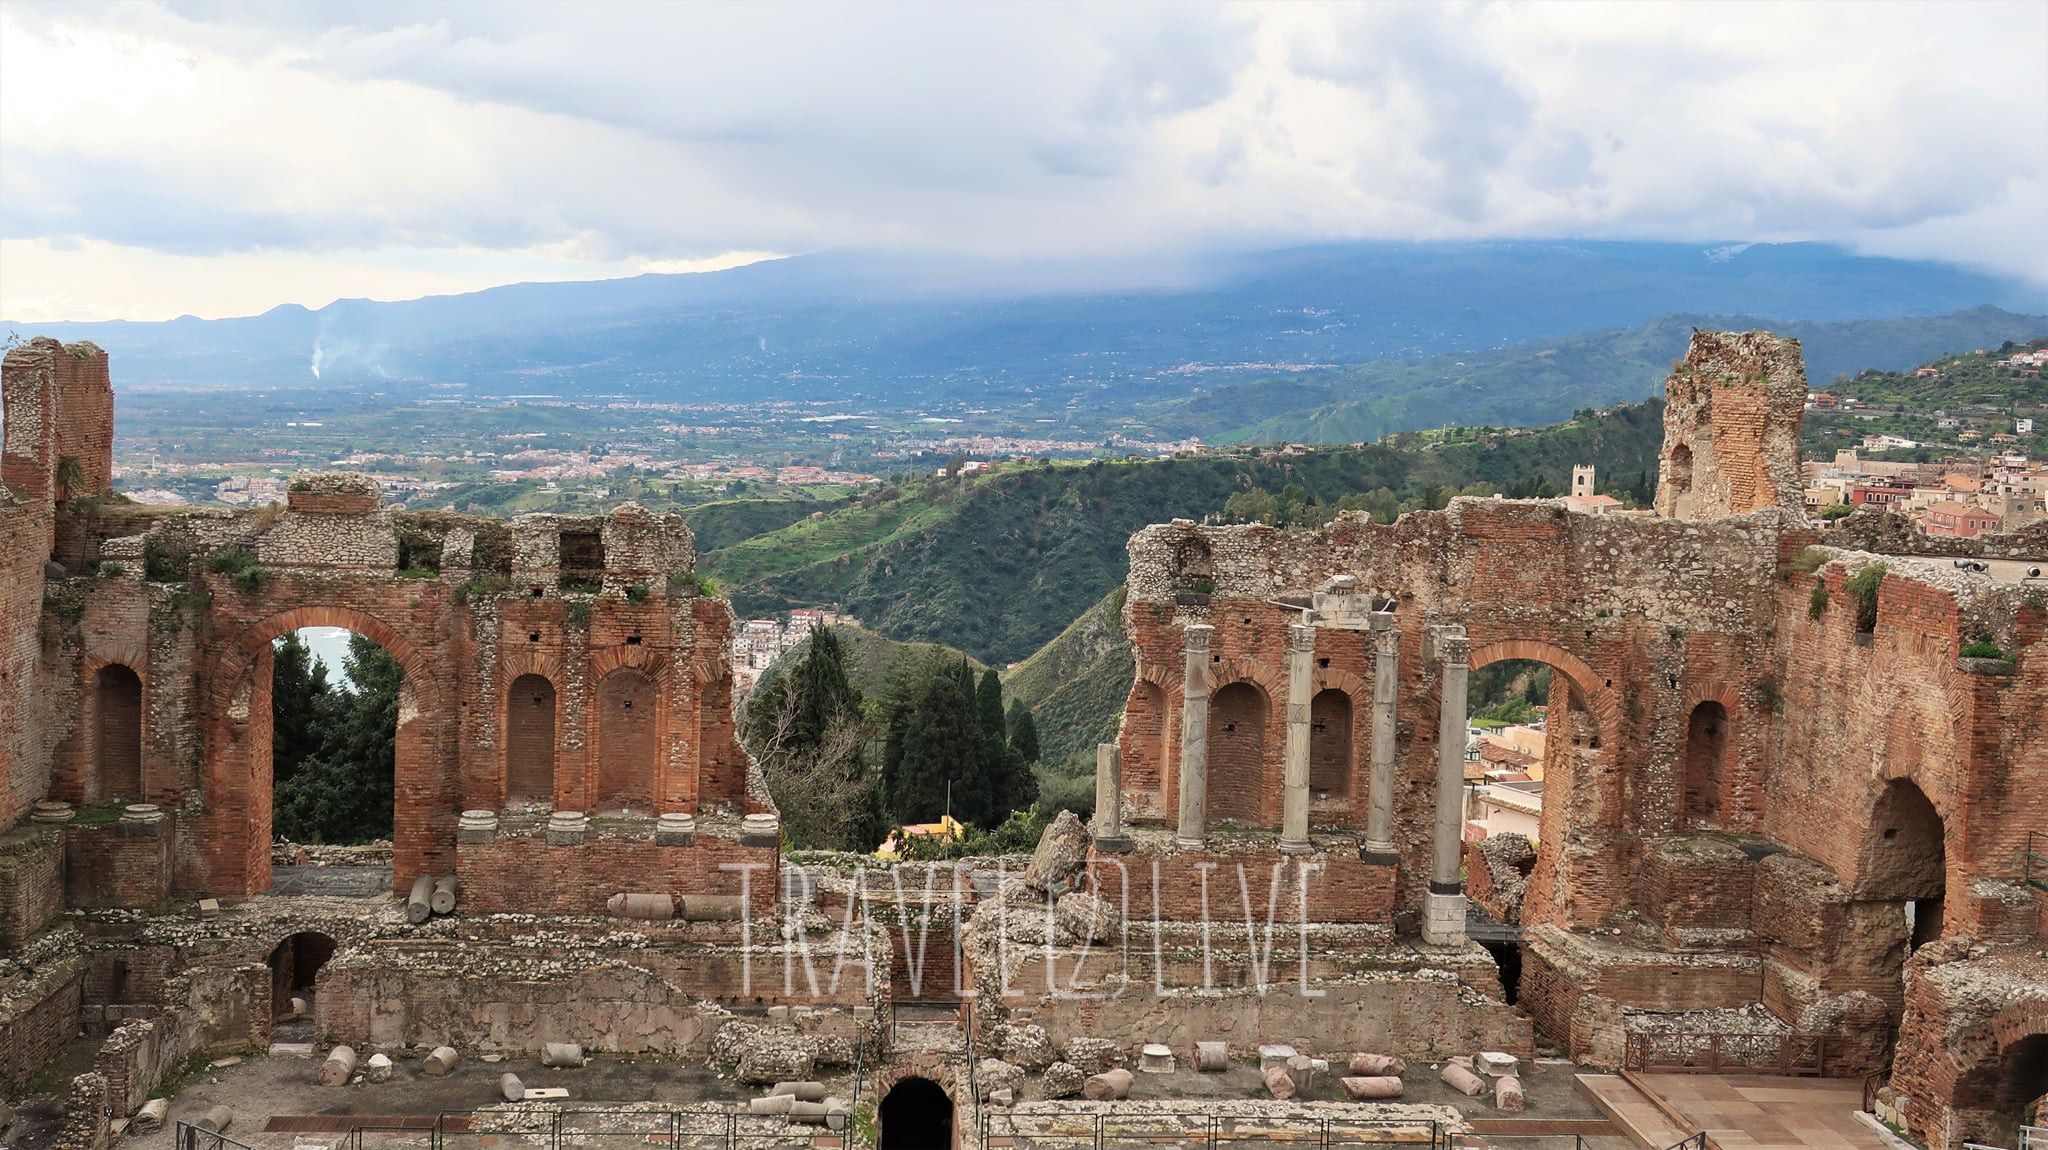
(1777, 799)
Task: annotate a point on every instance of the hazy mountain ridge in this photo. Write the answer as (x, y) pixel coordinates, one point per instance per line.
(908, 329)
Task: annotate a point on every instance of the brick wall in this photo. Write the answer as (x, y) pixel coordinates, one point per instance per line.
(31, 883)
(520, 873)
(1339, 886)
(117, 864)
(39, 1015)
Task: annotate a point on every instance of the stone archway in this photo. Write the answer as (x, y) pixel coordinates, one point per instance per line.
(916, 1114)
(117, 733)
(1575, 872)
(1905, 858)
(1239, 772)
(236, 827)
(294, 965)
(1709, 738)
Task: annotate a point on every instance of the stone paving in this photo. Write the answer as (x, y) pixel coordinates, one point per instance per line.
(1755, 1112)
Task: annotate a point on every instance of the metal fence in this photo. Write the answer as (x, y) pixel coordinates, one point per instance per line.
(194, 1138)
(1706, 1052)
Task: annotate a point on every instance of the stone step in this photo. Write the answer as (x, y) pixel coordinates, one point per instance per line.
(1641, 1119)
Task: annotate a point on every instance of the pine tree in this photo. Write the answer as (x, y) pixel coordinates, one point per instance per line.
(1023, 731)
(343, 793)
(808, 732)
(300, 700)
(933, 745)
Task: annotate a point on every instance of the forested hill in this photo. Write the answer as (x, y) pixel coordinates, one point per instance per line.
(999, 563)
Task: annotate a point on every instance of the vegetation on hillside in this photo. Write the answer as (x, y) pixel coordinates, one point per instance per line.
(997, 564)
(809, 729)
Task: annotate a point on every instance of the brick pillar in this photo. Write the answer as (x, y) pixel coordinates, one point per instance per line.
(1194, 733)
(1301, 649)
(1443, 920)
(1379, 816)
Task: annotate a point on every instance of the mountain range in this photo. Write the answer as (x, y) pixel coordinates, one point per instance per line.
(896, 330)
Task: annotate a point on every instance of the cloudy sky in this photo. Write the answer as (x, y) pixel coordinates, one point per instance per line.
(161, 159)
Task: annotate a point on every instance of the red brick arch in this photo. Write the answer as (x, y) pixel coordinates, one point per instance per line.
(1600, 699)
(237, 772)
(1267, 678)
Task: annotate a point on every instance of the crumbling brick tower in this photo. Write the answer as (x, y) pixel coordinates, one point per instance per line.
(1731, 427)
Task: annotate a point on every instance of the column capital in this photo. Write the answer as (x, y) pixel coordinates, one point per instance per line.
(1195, 636)
(1380, 621)
(1455, 650)
(1301, 637)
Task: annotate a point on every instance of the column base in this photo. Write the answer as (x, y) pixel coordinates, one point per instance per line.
(1186, 842)
(1443, 919)
(1113, 844)
(1373, 854)
(1294, 846)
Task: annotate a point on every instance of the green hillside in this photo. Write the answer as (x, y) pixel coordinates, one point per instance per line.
(998, 564)
(1541, 382)
(730, 521)
(871, 659)
(1076, 684)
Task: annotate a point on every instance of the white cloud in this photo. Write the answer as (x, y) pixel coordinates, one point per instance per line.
(203, 156)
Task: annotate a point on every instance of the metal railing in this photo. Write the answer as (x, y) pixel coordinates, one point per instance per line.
(195, 1138)
(1080, 1131)
(1707, 1052)
(1873, 1082)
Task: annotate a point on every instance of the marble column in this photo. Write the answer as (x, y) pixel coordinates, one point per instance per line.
(1301, 649)
(1386, 688)
(1109, 799)
(1443, 919)
(1194, 733)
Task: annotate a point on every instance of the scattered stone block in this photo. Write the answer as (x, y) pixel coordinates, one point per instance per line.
(1156, 1058)
(1003, 1097)
(439, 1061)
(561, 1055)
(378, 1068)
(442, 900)
(1064, 1080)
(1374, 1086)
(1279, 1083)
(291, 1050)
(1462, 1080)
(1507, 1094)
(995, 1074)
(770, 1104)
(209, 908)
(340, 1065)
(419, 904)
(1303, 1070)
(1377, 1065)
(1494, 1063)
(511, 1088)
(774, 1061)
(801, 1091)
(546, 1093)
(1212, 1057)
(1109, 1086)
(147, 1120)
(1093, 1055)
(643, 906)
(1025, 1045)
(215, 1119)
(1275, 1054)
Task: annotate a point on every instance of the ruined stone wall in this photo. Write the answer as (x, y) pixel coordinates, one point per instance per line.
(192, 605)
(31, 883)
(521, 873)
(1732, 412)
(216, 1011)
(38, 1015)
(1645, 618)
(25, 539)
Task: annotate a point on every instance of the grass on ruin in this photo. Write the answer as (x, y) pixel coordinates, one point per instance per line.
(98, 814)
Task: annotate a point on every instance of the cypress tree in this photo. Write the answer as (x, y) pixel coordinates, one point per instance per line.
(299, 697)
(1023, 731)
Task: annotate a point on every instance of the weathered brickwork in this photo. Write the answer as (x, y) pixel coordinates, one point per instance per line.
(1731, 427)
(1761, 789)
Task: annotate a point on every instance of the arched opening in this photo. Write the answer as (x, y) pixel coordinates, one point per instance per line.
(2022, 1087)
(334, 703)
(1237, 754)
(625, 740)
(294, 966)
(1194, 568)
(1905, 859)
(1507, 955)
(117, 745)
(1706, 752)
(1329, 745)
(1144, 771)
(1678, 477)
(916, 1114)
(530, 740)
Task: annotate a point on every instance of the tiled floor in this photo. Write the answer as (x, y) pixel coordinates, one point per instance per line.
(1753, 1112)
